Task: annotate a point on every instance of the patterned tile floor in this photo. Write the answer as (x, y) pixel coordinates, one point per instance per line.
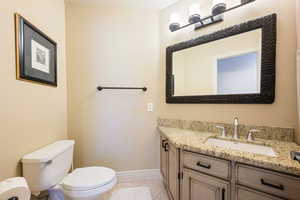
(156, 187)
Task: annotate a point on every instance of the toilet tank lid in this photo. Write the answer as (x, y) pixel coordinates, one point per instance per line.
(48, 152)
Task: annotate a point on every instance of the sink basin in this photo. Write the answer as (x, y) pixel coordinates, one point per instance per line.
(246, 147)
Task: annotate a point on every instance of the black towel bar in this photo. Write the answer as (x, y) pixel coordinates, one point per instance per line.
(100, 88)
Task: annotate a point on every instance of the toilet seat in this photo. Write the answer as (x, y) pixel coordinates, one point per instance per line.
(88, 178)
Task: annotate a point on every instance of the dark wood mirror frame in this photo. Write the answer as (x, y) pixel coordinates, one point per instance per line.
(268, 24)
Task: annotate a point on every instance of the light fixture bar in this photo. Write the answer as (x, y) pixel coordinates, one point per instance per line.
(209, 21)
(214, 18)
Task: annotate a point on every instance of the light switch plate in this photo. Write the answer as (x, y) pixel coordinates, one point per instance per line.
(150, 107)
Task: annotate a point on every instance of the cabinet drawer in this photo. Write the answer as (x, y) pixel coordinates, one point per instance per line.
(278, 184)
(213, 166)
(248, 194)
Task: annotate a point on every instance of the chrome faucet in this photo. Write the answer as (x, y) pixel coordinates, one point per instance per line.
(235, 130)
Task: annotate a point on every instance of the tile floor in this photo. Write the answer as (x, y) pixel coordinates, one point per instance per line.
(156, 187)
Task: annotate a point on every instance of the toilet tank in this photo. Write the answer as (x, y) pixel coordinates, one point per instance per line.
(47, 166)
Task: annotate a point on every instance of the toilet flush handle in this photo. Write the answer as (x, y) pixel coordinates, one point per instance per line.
(48, 162)
(13, 198)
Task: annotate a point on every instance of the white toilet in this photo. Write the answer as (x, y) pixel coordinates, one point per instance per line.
(48, 168)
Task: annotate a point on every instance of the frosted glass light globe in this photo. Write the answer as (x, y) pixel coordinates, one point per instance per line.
(194, 13)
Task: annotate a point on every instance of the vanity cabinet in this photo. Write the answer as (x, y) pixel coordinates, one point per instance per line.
(193, 176)
(170, 168)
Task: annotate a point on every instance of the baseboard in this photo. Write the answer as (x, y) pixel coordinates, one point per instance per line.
(136, 175)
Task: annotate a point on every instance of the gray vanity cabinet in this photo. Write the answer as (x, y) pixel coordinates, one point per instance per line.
(198, 186)
(170, 168)
(193, 176)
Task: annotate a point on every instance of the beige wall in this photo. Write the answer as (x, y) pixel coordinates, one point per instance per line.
(112, 47)
(31, 115)
(284, 111)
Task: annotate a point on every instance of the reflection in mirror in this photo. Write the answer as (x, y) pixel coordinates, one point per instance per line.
(238, 74)
(226, 66)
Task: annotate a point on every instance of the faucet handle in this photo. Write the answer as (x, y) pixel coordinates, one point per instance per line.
(250, 136)
(223, 131)
(236, 121)
(254, 131)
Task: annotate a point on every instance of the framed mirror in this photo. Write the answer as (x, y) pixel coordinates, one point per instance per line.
(232, 66)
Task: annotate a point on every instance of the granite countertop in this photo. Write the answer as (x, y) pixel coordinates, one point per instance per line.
(195, 141)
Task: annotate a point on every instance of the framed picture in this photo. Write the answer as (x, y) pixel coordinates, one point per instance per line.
(36, 54)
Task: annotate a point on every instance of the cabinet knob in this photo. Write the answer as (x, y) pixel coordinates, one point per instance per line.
(166, 147)
(163, 143)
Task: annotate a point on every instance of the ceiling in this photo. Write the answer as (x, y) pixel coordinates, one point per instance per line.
(147, 4)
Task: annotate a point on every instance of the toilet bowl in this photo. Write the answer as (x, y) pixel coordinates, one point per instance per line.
(93, 194)
(88, 183)
(48, 168)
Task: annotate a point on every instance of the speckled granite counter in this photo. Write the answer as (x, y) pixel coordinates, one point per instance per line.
(195, 141)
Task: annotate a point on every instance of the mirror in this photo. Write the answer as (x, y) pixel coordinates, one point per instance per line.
(235, 65)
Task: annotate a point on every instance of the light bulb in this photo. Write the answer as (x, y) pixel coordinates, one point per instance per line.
(219, 6)
(194, 13)
(194, 9)
(174, 22)
(215, 2)
(174, 18)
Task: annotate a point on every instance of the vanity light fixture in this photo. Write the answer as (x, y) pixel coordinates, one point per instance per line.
(219, 7)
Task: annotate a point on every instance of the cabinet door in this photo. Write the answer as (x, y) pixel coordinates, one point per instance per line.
(173, 171)
(164, 160)
(248, 194)
(198, 186)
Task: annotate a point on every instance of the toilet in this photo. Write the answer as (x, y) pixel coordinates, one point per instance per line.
(48, 169)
